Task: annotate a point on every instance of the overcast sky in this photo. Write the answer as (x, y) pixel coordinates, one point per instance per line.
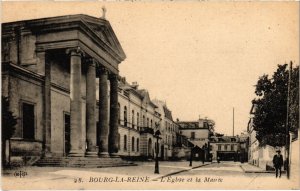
(202, 58)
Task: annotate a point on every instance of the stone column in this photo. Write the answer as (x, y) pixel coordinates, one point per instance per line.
(91, 108)
(114, 118)
(103, 112)
(47, 104)
(77, 147)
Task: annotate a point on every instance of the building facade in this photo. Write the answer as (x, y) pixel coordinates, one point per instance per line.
(50, 70)
(198, 134)
(169, 129)
(226, 148)
(139, 118)
(258, 155)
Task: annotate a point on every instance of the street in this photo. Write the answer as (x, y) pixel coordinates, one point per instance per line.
(173, 175)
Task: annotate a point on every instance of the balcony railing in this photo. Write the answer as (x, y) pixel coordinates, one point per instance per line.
(147, 130)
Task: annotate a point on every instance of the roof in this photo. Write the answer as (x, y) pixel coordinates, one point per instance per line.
(97, 29)
(168, 113)
(200, 144)
(193, 124)
(143, 94)
(225, 139)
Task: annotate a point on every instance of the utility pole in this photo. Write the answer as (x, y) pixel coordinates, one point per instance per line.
(287, 127)
(233, 122)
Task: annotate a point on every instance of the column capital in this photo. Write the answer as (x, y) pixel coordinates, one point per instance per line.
(113, 76)
(103, 70)
(90, 61)
(76, 51)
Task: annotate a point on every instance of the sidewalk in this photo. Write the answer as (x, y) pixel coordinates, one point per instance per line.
(167, 168)
(198, 165)
(249, 168)
(58, 177)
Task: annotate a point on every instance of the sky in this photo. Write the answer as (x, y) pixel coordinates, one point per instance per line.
(202, 58)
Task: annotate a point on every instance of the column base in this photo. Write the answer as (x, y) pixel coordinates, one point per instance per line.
(104, 154)
(91, 154)
(114, 155)
(48, 155)
(76, 154)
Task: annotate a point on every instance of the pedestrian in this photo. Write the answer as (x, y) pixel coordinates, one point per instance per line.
(278, 162)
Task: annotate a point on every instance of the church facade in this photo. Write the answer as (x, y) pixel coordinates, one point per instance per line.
(62, 81)
(61, 76)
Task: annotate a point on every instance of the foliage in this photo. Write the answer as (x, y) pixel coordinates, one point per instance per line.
(271, 106)
(219, 135)
(8, 120)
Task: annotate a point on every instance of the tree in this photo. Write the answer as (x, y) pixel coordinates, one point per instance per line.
(8, 121)
(294, 102)
(271, 106)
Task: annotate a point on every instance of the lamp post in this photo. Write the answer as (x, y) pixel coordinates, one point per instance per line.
(156, 170)
(205, 156)
(191, 156)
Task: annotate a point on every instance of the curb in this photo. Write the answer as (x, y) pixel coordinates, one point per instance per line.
(180, 171)
(257, 171)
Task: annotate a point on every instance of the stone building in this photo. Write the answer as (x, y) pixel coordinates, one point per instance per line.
(168, 130)
(139, 118)
(198, 134)
(50, 70)
(227, 148)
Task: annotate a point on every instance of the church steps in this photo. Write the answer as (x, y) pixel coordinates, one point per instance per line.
(84, 162)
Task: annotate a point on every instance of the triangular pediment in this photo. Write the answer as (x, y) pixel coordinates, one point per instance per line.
(104, 31)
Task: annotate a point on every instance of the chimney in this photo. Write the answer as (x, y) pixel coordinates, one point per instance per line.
(135, 85)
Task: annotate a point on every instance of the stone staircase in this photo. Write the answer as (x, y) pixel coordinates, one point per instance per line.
(82, 162)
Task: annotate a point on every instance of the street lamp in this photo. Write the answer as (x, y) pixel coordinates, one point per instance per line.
(204, 148)
(191, 156)
(156, 134)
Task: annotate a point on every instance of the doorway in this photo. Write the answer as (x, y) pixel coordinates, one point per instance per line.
(67, 133)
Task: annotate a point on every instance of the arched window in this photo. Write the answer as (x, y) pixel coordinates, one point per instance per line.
(132, 143)
(151, 123)
(138, 121)
(147, 122)
(125, 142)
(137, 144)
(144, 121)
(132, 120)
(125, 116)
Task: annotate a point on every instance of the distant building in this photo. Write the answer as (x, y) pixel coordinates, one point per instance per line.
(168, 130)
(197, 133)
(229, 148)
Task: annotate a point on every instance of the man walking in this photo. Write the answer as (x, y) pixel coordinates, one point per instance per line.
(278, 162)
